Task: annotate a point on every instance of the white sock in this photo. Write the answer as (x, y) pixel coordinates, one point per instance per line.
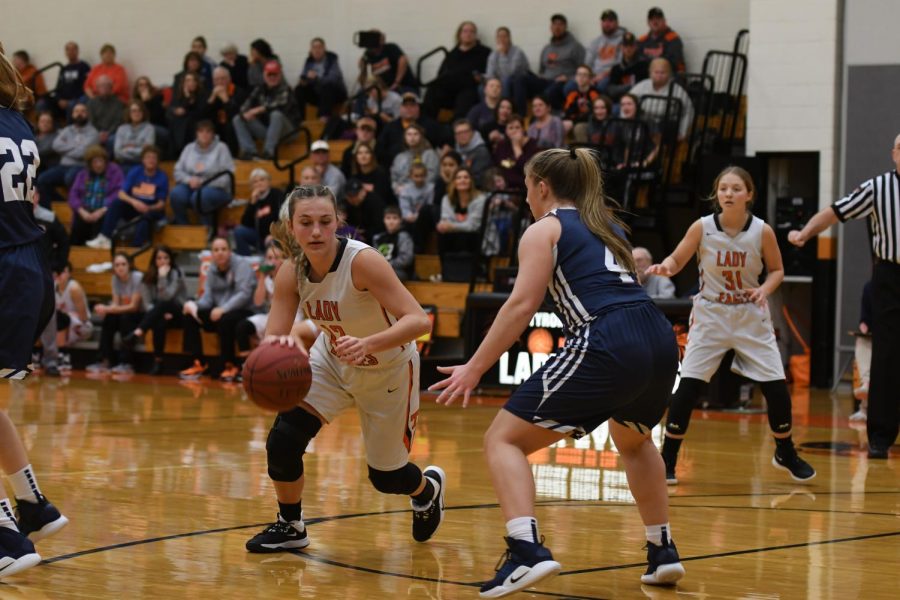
(655, 533)
(25, 485)
(523, 528)
(7, 519)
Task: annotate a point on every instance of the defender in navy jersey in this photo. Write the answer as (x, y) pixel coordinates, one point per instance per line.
(618, 363)
(26, 305)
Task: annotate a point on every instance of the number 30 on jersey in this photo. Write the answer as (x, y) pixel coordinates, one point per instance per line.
(18, 167)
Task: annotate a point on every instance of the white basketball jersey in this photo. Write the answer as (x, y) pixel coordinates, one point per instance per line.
(339, 309)
(729, 266)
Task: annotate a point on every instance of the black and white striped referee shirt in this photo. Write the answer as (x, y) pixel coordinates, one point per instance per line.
(879, 199)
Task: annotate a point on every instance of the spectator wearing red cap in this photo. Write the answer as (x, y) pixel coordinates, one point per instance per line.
(661, 41)
(269, 113)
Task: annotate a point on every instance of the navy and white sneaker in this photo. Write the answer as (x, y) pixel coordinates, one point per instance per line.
(523, 565)
(279, 536)
(788, 460)
(40, 519)
(17, 553)
(427, 518)
(663, 565)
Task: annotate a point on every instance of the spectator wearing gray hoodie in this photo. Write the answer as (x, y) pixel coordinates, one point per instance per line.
(559, 60)
(70, 144)
(470, 145)
(604, 52)
(227, 299)
(200, 160)
(506, 61)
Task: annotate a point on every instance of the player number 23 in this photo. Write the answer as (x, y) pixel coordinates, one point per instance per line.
(13, 166)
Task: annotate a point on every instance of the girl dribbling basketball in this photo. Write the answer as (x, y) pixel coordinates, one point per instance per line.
(730, 312)
(366, 358)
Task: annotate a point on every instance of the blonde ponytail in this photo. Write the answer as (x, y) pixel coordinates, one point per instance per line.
(575, 176)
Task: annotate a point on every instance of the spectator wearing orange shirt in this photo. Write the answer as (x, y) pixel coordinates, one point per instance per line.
(109, 67)
(29, 73)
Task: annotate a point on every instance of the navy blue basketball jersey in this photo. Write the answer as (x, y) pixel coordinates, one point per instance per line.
(19, 161)
(586, 279)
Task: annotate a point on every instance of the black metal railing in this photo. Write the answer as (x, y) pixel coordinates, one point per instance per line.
(41, 71)
(291, 165)
(421, 61)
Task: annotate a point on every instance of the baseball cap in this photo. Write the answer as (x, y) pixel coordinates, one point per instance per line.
(609, 14)
(353, 186)
(655, 13)
(320, 145)
(409, 97)
(628, 39)
(272, 66)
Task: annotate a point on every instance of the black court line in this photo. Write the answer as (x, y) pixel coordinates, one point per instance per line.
(358, 568)
(741, 552)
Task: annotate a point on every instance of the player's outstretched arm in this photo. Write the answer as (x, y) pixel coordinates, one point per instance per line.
(686, 248)
(821, 221)
(535, 270)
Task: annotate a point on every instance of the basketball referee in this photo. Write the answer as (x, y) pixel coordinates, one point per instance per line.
(879, 200)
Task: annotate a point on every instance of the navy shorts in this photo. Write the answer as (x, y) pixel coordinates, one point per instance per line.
(26, 305)
(621, 367)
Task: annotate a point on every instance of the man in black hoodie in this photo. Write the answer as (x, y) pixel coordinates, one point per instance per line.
(457, 82)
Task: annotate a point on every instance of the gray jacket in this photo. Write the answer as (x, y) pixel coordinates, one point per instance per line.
(474, 213)
(514, 62)
(171, 287)
(131, 139)
(404, 160)
(659, 287)
(561, 57)
(604, 52)
(476, 156)
(231, 290)
(71, 143)
(203, 162)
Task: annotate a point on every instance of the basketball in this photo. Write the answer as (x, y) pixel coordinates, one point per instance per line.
(277, 377)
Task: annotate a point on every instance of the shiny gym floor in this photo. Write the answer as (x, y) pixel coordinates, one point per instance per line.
(163, 482)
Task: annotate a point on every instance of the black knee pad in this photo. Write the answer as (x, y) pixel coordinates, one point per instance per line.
(681, 405)
(778, 401)
(404, 480)
(287, 441)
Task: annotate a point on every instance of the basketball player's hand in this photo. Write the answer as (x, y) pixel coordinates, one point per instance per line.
(286, 340)
(351, 350)
(658, 269)
(796, 239)
(463, 379)
(759, 297)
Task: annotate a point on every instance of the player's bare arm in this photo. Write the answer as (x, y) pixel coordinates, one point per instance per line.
(774, 267)
(535, 270)
(285, 301)
(686, 249)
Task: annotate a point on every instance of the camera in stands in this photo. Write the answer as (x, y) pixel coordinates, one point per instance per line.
(367, 39)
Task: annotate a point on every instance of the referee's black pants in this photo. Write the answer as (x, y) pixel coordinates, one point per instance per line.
(883, 421)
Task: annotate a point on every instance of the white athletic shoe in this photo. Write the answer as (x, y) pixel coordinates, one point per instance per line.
(101, 242)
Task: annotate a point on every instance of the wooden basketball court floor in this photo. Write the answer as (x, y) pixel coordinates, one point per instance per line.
(164, 482)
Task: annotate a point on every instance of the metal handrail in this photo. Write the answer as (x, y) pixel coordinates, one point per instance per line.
(739, 41)
(292, 165)
(422, 59)
(42, 70)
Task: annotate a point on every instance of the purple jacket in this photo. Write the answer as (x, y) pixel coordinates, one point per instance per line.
(114, 180)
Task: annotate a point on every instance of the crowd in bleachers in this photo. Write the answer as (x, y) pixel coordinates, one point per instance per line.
(442, 170)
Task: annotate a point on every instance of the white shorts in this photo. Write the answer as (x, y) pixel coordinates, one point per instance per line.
(717, 328)
(387, 400)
